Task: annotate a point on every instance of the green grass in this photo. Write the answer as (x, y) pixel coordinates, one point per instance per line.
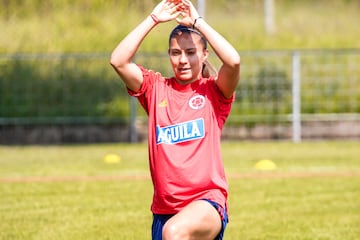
(313, 193)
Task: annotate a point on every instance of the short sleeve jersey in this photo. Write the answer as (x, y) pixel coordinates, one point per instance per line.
(185, 124)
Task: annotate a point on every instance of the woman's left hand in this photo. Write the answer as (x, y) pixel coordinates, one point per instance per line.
(188, 14)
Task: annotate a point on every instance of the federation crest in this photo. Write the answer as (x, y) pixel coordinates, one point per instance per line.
(197, 102)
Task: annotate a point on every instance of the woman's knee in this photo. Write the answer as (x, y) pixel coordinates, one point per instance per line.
(174, 231)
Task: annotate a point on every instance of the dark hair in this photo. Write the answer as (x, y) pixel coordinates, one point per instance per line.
(182, 29)
(207, 70)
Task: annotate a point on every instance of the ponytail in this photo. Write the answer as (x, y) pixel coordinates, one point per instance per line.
(208, 70)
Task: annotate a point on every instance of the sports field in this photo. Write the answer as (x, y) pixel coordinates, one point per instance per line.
(69, 192)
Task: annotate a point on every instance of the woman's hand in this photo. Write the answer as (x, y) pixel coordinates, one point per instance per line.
(188, 14)
(167, 10)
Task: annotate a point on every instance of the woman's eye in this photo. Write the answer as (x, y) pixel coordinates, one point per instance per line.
(175, 53)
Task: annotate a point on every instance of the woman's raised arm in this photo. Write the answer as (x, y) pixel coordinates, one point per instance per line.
(229, 72)
(121, 57)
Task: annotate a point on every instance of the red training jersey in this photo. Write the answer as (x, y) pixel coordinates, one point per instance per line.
(185, 124)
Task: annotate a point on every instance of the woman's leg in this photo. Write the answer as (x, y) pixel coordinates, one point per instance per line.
(159, 221)
(198, 220)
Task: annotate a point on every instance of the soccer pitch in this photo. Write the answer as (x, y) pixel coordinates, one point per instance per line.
(70, 192)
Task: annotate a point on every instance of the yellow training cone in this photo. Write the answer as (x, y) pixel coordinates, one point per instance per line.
(265, 164)
(112, 158)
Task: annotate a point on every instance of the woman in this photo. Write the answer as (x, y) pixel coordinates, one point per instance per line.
(186, 115)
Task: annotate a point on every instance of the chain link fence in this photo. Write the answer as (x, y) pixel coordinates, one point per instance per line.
(300, 93)
(282, 95)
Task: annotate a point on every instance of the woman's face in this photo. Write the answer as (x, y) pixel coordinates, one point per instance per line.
(187, 55)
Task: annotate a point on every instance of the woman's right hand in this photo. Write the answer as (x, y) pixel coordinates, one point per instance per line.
(167, 11)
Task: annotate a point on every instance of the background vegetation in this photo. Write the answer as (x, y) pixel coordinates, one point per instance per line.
(98, 25)
(84, 85)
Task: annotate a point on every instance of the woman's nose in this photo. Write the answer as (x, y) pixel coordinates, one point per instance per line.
(183, 58)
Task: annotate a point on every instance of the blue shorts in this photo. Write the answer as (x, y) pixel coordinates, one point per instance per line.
(159, 221)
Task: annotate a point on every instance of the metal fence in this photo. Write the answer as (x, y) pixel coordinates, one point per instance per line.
(277, 88)
(299, 87)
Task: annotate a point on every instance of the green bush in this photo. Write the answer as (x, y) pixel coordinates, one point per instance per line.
(79, 87)
(63, 87)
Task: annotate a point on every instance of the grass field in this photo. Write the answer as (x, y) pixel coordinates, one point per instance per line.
(69, 192)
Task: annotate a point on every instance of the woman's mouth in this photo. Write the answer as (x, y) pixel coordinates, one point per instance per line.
(183, 70)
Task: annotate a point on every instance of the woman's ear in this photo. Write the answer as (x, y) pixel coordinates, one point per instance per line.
(206, 54)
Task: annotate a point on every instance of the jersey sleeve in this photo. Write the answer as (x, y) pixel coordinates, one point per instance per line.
(144, 94)
(222, 104)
